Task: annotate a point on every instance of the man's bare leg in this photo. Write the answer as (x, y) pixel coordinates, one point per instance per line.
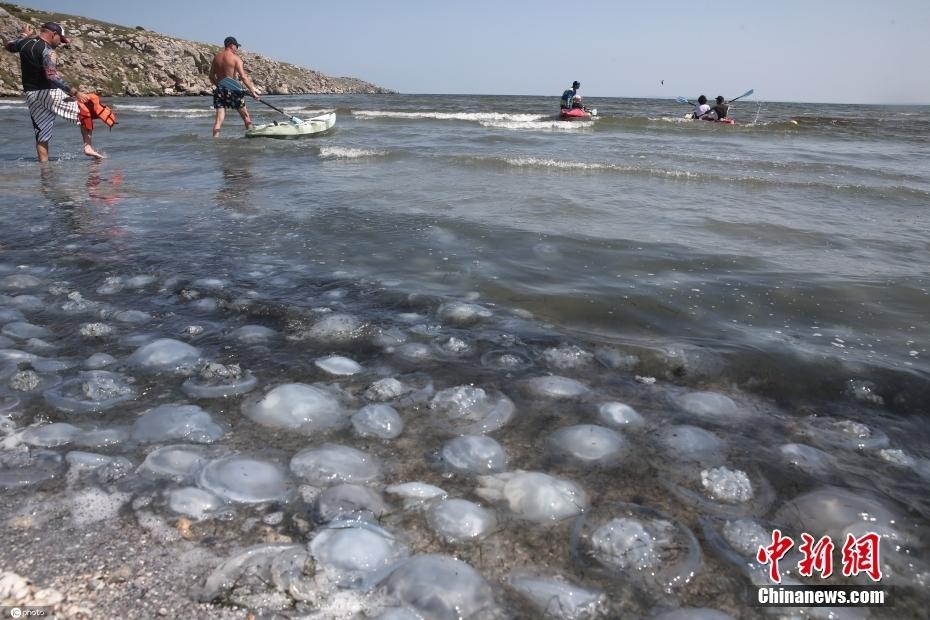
(88, 145)
(42, 151)
(244, 113)
(220, 117)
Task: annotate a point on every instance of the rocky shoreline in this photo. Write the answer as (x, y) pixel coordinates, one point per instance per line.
(115, 60)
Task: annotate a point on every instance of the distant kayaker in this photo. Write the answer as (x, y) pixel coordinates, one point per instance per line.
(571, 98)
(721, 109)
(701, 108)
(228, 64)
(47, 94)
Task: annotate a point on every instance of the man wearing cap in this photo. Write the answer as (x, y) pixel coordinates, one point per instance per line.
(228, 64)
(47, 93)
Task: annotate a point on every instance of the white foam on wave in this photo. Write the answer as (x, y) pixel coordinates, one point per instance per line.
(137, 107)
(537, 162)
(536, 125)
(451, 116)
(181, 113)
(13, 105)
(345, 152)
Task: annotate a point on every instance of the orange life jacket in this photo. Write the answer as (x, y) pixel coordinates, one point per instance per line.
(94, 108)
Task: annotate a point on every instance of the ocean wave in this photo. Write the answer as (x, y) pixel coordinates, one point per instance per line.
(451, 116)
(345, 152)
(558, 164)
(136, 107)
(553, 125)
(181, 113)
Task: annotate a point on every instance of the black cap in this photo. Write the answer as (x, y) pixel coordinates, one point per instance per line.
(230, 41)
(576, 84)
(57, 29)
(720, 99)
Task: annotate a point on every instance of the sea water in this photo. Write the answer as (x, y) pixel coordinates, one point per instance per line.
(753, 300)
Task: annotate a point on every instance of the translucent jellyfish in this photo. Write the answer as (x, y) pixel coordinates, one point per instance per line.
(8, 315)
(459, 313)
(214, 284)
(415, 351)
(24, 331)
(29, 467)
(620, 415)
(297, 406)
(691, 444)
(458, 520)
(179, 462)
(133, 317)
(722, 491)
(173, 422)
(19, 281)
(469, 410)
(140, 281)
(338, 365)
(456, 346)
(338, 329)
(587, 445)
(555, 386)
(385, 389)
(27, 303)
(194, 502)
(566, 357)
(349, 501)
(644, 546)
(506, 360)
(91, 391)
(98, 361)
(246, 479)
(738, 541)
(215, 380)
(472, 454)
(441, 587)
(28, 381)
(534, 496)
(357, 553)
(713, 408)
(165, 354)
(332, 463)
(841, 433)
(285, 569)
(102, 438)
(830, 510)
(253, 334)
(554, 596)
(810, 460)
(378, 420)
(416, 493)
(50, 435)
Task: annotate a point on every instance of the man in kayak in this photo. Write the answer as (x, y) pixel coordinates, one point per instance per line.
(47, 94)
(721, 109)
(228, 64)
(571, 98)
(701, 108)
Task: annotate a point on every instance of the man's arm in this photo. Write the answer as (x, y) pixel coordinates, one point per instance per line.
(245, 78)
(24, 34)
(51, 72)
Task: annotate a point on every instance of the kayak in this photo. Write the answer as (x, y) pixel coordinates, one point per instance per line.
(569, 114)
(288, 129)
(725, 121)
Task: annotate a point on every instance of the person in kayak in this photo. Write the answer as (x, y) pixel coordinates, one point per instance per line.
(47, 94)
(701, 108)
(228, 64)
(721, 109)
(571, 98)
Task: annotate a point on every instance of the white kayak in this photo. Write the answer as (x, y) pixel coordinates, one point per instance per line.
(290, 129)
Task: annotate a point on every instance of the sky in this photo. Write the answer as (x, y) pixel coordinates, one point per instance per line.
(815, 51)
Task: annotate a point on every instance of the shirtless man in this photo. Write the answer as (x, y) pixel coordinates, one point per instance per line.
(228, 64)
(47, 93)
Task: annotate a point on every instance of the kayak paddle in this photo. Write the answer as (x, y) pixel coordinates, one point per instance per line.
(234, 86)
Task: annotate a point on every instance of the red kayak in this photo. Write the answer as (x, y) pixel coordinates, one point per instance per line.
(569, 114)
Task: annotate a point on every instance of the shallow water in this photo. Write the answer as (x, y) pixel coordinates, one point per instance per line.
(645, 258)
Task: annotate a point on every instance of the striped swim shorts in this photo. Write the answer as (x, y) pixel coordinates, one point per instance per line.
(45, 105)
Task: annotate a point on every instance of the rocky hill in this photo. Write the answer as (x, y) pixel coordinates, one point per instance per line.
(118, 60)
